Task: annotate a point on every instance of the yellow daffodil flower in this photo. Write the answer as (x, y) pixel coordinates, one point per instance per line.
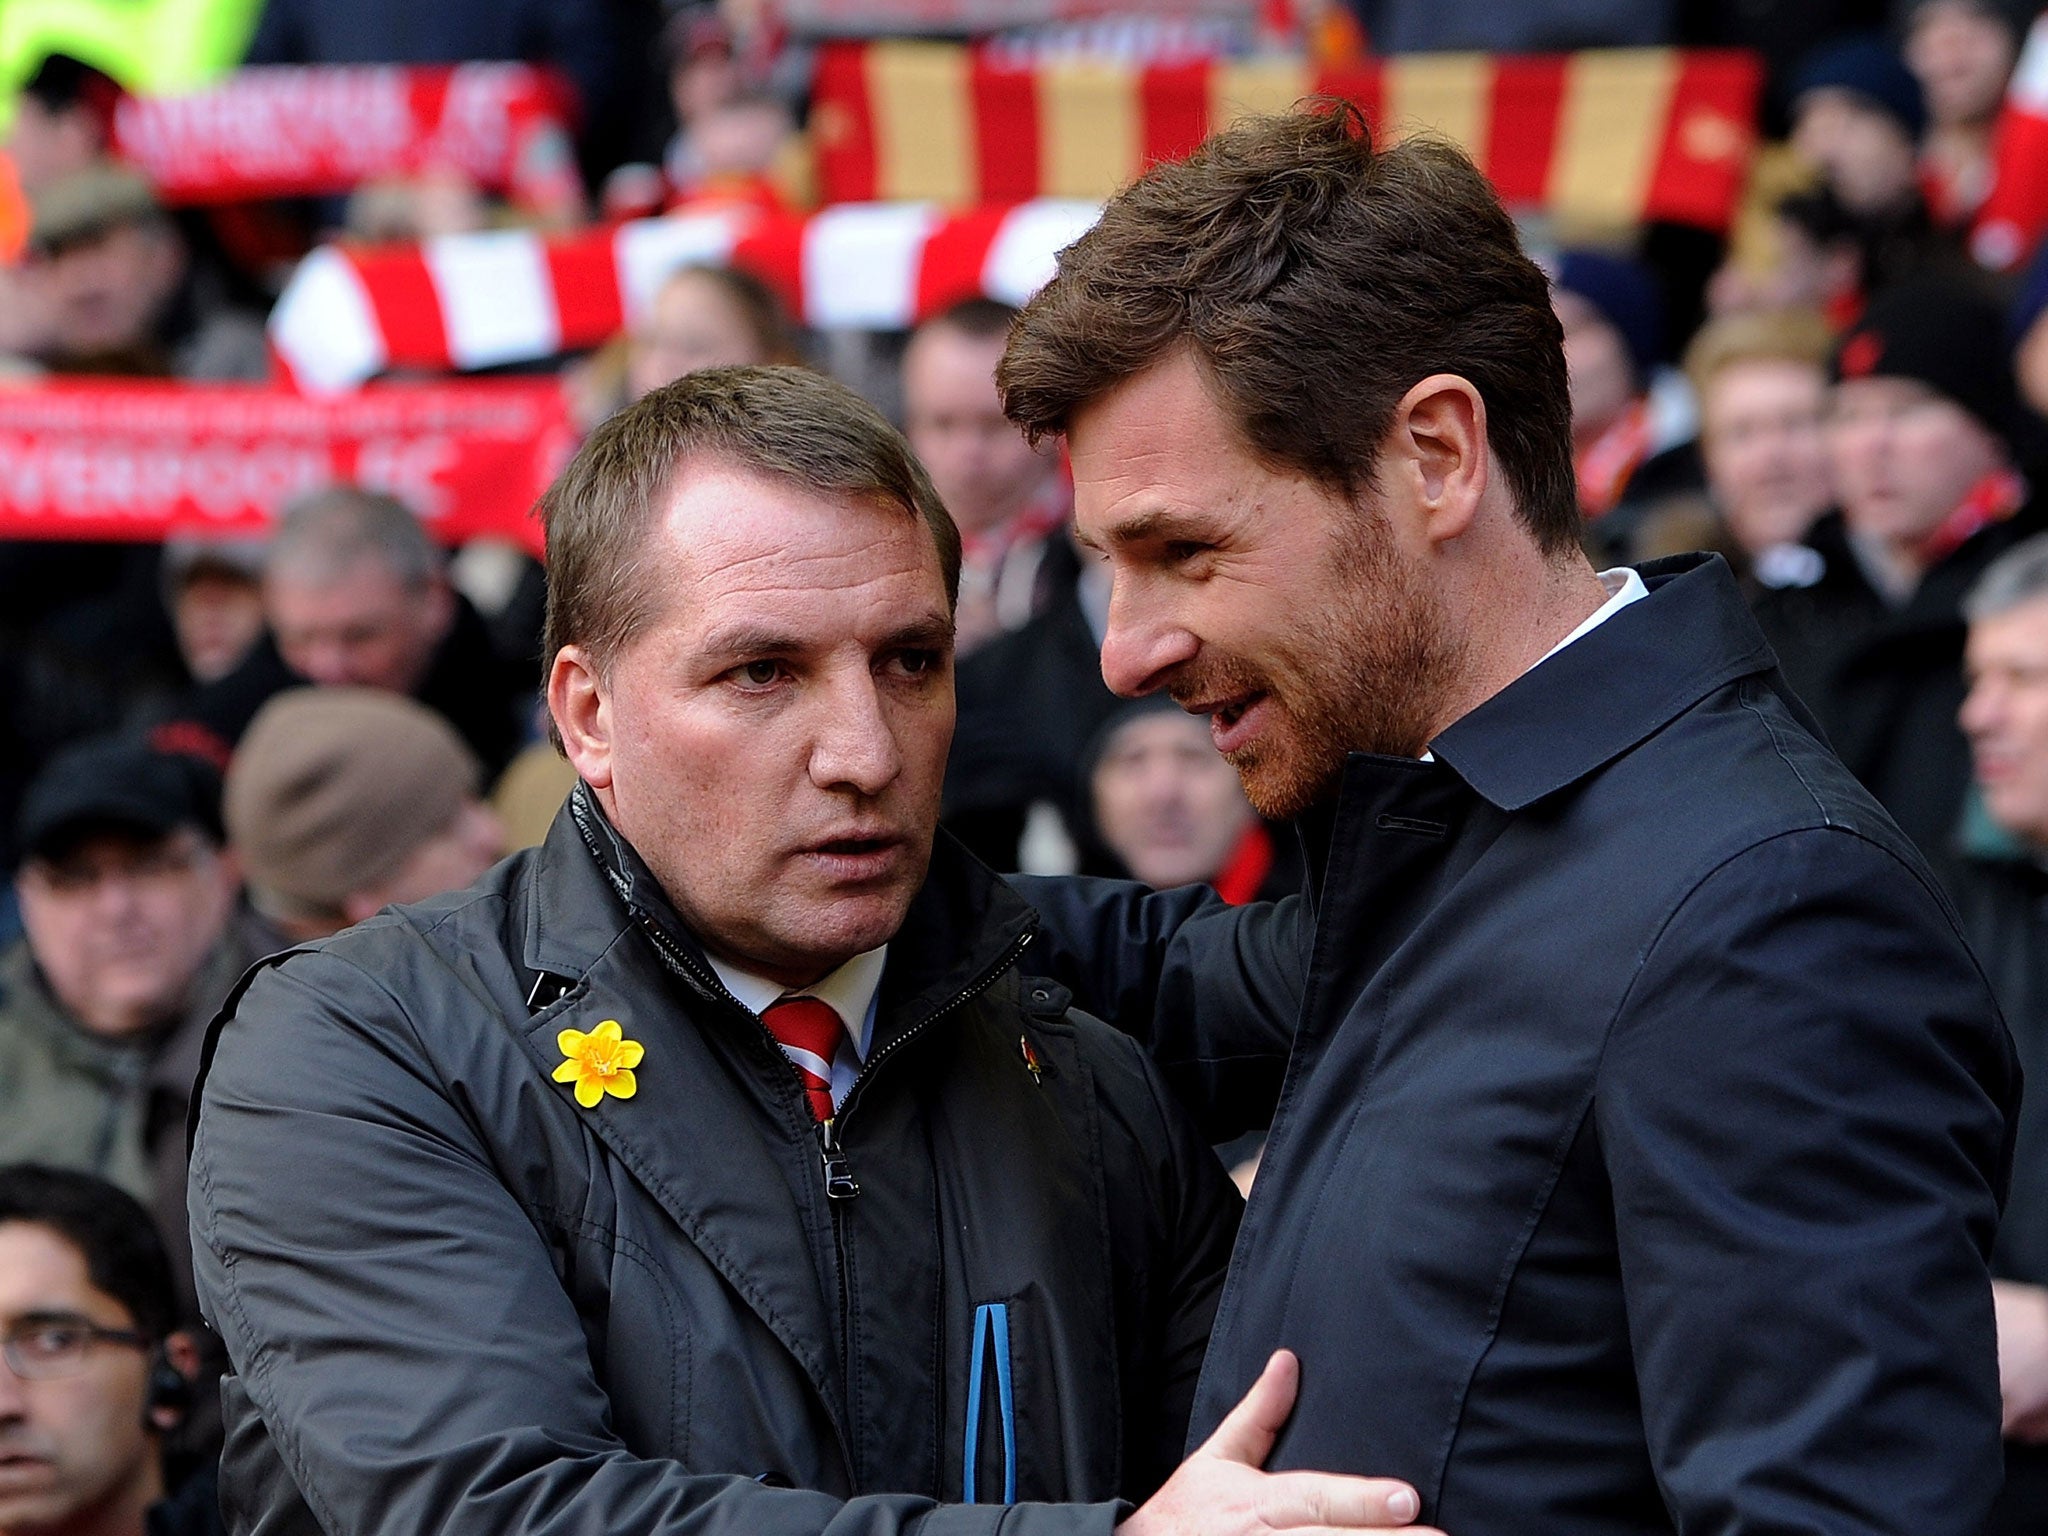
(599, 1063)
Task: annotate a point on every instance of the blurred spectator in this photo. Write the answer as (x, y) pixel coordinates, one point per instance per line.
(63, 121)
(1857, 119)
(702, 316)
(1805, 252)
(1962, 53)
(357, 594)
(96, 1374)
(1171, 808)
(1868, 621)
(1031, 703)
(1761, 381)
(213, 589)
(1627, 455)
(128, 903)
(697, 52)
(707, 317)
(1011, 499)
(120, 290)
(2001, 889)
(341, 801)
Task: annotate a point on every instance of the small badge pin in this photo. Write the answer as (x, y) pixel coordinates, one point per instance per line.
(1031, 1062)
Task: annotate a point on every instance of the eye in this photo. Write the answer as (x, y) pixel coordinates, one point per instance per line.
(1183, 551)
(757, 674)
(916, 663)
(52, 1341)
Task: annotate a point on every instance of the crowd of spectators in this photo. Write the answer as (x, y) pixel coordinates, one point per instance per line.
(217, 747)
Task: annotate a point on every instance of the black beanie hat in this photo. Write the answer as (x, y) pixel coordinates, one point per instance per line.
(1943, 333)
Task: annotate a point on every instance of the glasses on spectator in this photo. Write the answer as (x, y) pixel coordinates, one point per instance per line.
(58, 1344)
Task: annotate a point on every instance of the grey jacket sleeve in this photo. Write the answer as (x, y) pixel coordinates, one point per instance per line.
(1802, 1113)
(394, 1318)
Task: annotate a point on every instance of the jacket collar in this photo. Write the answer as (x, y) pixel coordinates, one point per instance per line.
(1612, 688)
(964, 925)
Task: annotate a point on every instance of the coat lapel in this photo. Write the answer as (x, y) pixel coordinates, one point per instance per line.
(704, 1132)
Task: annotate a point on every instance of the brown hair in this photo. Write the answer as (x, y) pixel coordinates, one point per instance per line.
(786, 423)
(1317, 278)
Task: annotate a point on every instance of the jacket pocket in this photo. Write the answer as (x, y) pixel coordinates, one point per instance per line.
(989, 1458)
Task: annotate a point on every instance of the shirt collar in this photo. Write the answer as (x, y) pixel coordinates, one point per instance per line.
(849, 991)
(1624, 586)
(1647, 663)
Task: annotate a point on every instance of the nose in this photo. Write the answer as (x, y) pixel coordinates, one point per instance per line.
(1141, 644)
(1980, 709)
(855, 747)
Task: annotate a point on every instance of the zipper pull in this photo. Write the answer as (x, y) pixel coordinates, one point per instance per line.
(839, 1184)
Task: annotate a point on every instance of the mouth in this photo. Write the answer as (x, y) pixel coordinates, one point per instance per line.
(1235, 721)
(857, 855)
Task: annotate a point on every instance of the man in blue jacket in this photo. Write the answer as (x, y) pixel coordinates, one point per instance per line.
(1642, 1119)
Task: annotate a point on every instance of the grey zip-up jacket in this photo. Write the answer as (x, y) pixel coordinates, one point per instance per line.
(456, 1301)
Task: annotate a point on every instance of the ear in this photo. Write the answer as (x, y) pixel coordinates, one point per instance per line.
(580, 703)
(1437, 454)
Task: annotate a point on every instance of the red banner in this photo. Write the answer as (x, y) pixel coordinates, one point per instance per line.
(307, 131)
(91, 460)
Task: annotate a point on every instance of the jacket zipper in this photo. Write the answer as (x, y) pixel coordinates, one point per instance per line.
(840, 1185)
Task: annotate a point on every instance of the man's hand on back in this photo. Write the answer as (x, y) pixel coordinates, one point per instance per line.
(1220, 1491)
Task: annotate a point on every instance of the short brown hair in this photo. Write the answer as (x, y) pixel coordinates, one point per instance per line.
(786, 423)
(1316, 277)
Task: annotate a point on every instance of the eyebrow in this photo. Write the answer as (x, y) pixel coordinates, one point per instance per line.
(1137, 529)
(747, 640)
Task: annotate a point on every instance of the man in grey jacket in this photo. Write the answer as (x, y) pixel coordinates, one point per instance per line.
(714, 1167)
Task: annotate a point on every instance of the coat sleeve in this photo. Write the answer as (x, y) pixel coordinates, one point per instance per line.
(1803, 1112)
(394, 1318)
(1210, 990)
(1190, 1215)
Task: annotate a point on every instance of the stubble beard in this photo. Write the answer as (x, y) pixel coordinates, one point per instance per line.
(1374, 679)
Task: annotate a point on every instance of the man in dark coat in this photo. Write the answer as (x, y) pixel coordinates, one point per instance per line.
(2001, 888)
(1868, 623)
(1639, 1153)
(713, 1167)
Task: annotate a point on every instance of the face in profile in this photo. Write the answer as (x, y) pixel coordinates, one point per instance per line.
(1279, 608)
(2005, 715)
(1165, 803)
(74, 1451)
(773, 740)
(120, 922)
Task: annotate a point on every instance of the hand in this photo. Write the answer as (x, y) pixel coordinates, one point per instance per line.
(1220, 1491)
(2022, 1312)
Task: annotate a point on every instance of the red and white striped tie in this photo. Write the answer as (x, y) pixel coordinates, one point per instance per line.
(808, 1032)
